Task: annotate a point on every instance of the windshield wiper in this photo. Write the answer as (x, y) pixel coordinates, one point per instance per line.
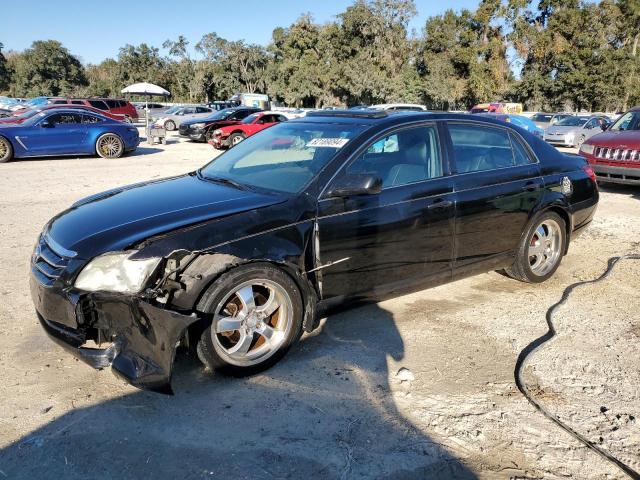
(224, 181)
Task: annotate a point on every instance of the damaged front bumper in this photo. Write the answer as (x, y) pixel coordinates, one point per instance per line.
(140, 338)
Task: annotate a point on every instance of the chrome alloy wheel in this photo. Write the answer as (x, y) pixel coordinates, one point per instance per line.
(545, 247)
(5, 149)
(251, 323)
(110, 146)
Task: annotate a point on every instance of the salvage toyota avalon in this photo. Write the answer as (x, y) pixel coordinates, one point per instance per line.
(235, 260)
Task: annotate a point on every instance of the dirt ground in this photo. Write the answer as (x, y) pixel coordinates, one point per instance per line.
(336, 407)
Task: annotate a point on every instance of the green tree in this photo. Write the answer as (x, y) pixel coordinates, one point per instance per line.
(5, 72)
(47, 68)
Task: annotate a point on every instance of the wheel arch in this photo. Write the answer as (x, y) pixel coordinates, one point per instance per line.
(223, 266)
(561, 210)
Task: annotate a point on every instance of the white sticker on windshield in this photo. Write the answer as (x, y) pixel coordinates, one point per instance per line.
(328, 142)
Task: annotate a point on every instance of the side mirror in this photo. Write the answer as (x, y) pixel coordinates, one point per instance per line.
(46, 124)
(356, 184)
(604, 126)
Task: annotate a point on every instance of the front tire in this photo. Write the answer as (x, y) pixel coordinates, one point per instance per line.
(109, 146)
(169, 125)
(236, 138)
(256, 315)
(6, 150)
(541, 249)
(580, 141)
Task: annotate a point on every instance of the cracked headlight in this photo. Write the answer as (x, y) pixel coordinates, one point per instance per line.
(115, 272)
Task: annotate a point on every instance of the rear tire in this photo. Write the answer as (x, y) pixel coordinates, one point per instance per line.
(6, 150)
(169, 125)
(110, 146)
(256, 315)
(541, 249)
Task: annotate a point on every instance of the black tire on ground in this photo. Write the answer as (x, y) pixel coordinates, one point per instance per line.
(110, 146)
(224, 286)
(169, 125)
(521, 268)
(236, 138)
(6, 150)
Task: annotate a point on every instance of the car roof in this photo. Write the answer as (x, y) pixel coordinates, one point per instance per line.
(391, 118)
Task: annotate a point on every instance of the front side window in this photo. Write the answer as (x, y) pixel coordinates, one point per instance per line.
(282, 158)
(65, 119)
(408, 156)
(480, 147)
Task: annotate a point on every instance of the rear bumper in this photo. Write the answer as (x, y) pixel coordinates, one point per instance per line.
(613, 174)
(140, 338)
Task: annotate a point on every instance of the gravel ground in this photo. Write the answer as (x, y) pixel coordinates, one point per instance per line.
(341, 404)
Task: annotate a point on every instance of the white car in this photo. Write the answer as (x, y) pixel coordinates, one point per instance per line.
(172, 118)
(400, 106)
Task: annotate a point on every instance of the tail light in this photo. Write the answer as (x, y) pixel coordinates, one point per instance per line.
(589, 171)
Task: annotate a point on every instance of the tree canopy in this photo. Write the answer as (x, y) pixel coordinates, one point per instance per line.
(548, 54)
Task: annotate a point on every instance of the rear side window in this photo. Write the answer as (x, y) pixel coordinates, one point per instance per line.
(98, 104)
(90, 119)
(480, 147)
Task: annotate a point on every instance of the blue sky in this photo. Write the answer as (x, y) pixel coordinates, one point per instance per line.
(94, 30)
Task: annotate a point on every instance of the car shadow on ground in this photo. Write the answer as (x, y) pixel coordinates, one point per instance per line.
(325, 411)
(144, 150)
(629, 190)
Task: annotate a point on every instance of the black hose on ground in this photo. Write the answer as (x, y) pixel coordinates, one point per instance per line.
(534, 345)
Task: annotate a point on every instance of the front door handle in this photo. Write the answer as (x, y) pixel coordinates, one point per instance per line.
(440, 204)
(531, 187)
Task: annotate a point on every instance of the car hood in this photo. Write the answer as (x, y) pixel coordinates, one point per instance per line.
(555, 130)
(119, 218)
(629, 139)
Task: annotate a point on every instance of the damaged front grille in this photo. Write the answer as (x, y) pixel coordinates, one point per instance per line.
(49, 261)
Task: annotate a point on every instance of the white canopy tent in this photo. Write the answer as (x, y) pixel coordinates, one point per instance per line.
(148, 90)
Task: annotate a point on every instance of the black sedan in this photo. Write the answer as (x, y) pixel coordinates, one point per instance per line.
(201, 129)
(237, 259)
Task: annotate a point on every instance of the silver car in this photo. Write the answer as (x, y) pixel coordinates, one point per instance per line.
(574, 130)
(545, 120)
(172, 119)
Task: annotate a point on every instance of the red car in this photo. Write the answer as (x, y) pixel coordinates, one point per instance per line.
(226, 137)
(24, 114)
(109, 105)
(614, 155)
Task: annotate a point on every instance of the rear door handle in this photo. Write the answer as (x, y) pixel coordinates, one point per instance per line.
(531, 187)
(440, 204)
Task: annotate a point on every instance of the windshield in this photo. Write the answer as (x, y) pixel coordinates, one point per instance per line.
(34, 119)
(250, 118)
(542, 117)
(283, 158)
(173, 110)
(220, 114)
(572, 122)
(37, 101)
(628, 121)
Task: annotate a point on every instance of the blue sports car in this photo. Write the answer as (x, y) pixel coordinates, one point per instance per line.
(519, 121)
(67, 132)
